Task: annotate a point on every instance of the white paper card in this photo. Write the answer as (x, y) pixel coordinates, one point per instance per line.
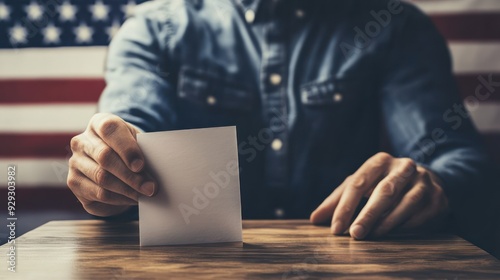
(198, 200)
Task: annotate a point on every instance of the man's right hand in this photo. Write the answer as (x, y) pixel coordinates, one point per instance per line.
(106, 169)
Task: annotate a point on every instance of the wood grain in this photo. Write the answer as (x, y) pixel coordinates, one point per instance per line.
(272, 249)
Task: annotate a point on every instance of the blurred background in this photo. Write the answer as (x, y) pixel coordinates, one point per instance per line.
(52, 55)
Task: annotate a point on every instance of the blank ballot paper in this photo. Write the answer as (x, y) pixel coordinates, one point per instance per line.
(198, 200)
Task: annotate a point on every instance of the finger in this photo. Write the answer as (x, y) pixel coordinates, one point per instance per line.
(103, 178)
(324, 211)
(356, 186)
(411, 203)
(87, 192)
(433, 211)
(383, 198)
(110, 161)
(119, 137)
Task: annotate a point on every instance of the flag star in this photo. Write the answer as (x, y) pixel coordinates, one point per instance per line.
(128, 9)
(34, 11)
(99, 11)
(113, 29)
(67, 12)
(83, 33)
(4, 12)
(18, 34)
(51, 34)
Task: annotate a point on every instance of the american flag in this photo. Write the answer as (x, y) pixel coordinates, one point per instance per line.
(52, 55)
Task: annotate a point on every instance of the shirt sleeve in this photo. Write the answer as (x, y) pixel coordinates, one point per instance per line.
(423, 113)
(138, 81)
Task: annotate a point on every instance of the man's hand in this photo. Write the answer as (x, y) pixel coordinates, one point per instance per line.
(401, 195)
(105, 171)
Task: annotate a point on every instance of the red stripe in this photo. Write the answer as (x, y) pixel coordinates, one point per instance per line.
(35, 145)
(50, 90)
(469, 27)
(44, 198)
(482, 86)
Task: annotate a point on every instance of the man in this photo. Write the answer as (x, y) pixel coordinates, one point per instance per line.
(308, 85)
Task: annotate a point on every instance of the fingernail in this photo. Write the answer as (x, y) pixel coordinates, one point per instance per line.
(136, 165)
(337, 228)
(358, 231)
(148, 188)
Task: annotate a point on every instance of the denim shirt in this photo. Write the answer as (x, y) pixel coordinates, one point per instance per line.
(310, 85)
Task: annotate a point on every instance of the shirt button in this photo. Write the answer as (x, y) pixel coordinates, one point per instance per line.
(277, 144)
(279, 213)
(275, 79)
(249, 16)
(211, 100)
(337, 97)
(300, 13)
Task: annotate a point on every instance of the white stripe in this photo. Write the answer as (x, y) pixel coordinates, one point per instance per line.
(88, 62)
(475, 57)
(52, 62)
(457, 6)
(486, 116)
(36, 172)
(45, 118)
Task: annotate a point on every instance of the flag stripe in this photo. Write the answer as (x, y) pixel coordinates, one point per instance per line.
(50, 90)
(47, 198)
(37, 172)
(68, 62)
(53, 118)
(486, 116)
(457, 6)
(35, 145)
(473, 85)
(25, 91)
(475, 57)
(468, 57)
(469, 27)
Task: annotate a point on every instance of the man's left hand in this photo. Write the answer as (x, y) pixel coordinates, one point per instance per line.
(401, 195)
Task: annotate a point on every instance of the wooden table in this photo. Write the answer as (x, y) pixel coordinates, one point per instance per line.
(272, 249)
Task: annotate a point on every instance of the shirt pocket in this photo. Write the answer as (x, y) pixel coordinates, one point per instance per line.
(208, 90)
(331, 92)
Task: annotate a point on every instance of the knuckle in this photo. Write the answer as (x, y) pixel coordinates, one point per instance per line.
(417, 195)
(382, 158)
(408, 166)
(388, 190)
(90, 207)
(75, 143)
(426, 177)
(133, 179)
(96, 118)
(103, 157)
(102, 195)
(347, 209)
(72, 162)
(370, 215)
(358, 182)
(73, 181)
(108, 126)
(102, 177)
